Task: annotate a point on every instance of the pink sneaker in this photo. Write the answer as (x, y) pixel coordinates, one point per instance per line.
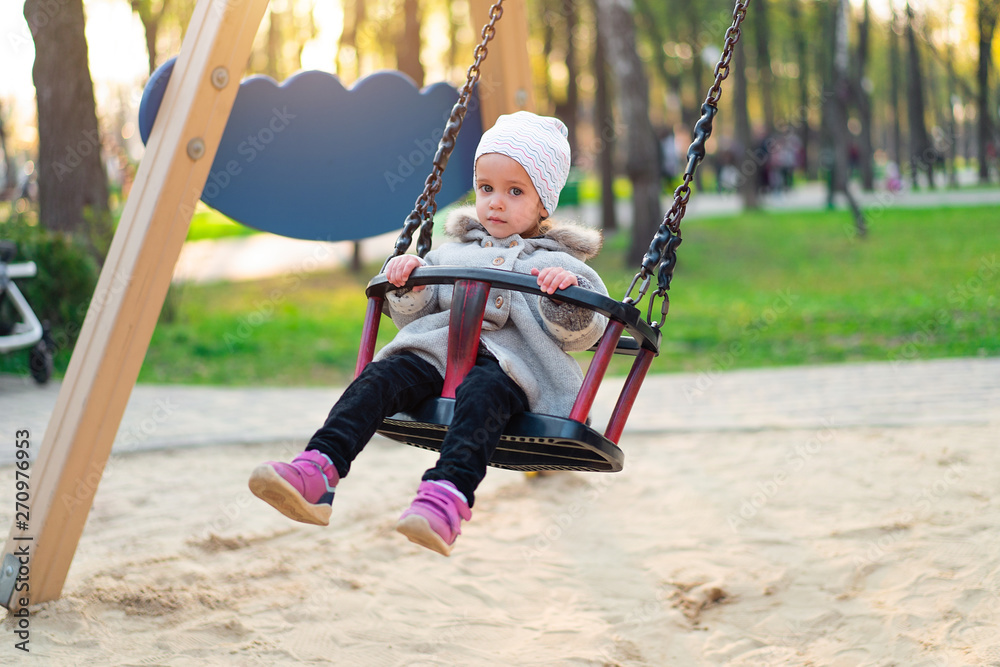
(434, 518)
(301, 490)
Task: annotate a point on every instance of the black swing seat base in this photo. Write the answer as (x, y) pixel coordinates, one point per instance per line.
(530, 441)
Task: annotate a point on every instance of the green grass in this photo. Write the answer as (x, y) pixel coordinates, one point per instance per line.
(769, 289)
(207, 223)
(761, 289)
(290, 330)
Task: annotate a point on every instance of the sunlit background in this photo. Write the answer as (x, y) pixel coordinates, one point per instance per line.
(354, 39)
(118, 61)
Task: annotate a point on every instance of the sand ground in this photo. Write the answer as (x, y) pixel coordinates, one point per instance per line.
(809, 543)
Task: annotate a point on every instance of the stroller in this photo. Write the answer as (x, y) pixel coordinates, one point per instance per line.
(21, 329)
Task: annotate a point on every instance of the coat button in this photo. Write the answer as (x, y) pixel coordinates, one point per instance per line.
(499, 301)
(488, 244)
(498, 261)
(513, 244)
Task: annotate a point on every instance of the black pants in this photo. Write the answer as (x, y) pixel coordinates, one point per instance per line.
(484, 403)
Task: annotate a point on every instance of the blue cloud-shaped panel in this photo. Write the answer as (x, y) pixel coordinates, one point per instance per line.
(311, 159)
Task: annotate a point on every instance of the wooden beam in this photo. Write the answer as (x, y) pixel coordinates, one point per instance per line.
(130, 294)
(505, 86)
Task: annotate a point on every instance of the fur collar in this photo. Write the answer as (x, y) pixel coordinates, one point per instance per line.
(577, 240)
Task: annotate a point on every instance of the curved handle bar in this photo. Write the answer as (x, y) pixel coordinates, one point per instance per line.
(627, 314)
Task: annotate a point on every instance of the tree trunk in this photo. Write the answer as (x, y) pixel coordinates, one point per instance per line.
(72, 184)
(864, 101)
(762, 34)
(272, 66)
(837, 117)
(642, 162)
(841, 92)
(894, 66)
(921, 150)
(357, 261)
(671, 82)
(354, 16)
(9, 186)
(408, 53)
(696, 24)
(303, 31)
(151, 26)
(349, 40)
(802, 57)
(604, 124)
(987, 20)
(548, 41)
(747, 166)
(453, 26)
(572, 89)
(151, 30)
(952, 137)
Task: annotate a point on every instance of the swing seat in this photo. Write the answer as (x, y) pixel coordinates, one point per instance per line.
(530, 441)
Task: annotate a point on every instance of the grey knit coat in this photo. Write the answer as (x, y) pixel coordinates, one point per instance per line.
(529, 335)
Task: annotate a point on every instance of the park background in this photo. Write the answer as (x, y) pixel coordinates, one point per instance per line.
(839, 509)
(883, 101)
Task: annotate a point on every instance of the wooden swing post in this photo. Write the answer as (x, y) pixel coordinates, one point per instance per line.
(505, 85)
(129, 295)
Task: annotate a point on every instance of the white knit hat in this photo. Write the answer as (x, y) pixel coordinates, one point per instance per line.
(537, 143)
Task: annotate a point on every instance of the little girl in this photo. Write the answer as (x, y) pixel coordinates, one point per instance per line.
(521, 165)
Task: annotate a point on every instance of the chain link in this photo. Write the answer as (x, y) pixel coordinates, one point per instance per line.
(425, 207)
(722, 67)
(662, 253)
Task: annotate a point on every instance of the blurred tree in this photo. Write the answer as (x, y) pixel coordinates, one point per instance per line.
(894, 65)
(548, 23)
(935, 100)
(348, 57)
(408, 44)
(695, 11)
(452, 59)
(801, 50)
(72, 183)
(650, 25)
(632, 92)
(921, 149)
(568, 113)
(347, 54)
(163, 20)
(747, 183)
(9, 186)
(290, 26)
(151, 13)
(952, 132)
(863, 99)
(837, 92)
(559, 22)
(765, 75)
(273, 65)
(987, 12)
(305, 31)
(604, 127)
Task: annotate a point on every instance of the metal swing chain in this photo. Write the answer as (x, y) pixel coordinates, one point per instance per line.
(662, 253)
(425, 207)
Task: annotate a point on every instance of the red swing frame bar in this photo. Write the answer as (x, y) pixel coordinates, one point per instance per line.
(465, 327)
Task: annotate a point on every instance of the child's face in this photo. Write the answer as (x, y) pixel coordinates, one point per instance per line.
(506, 200)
